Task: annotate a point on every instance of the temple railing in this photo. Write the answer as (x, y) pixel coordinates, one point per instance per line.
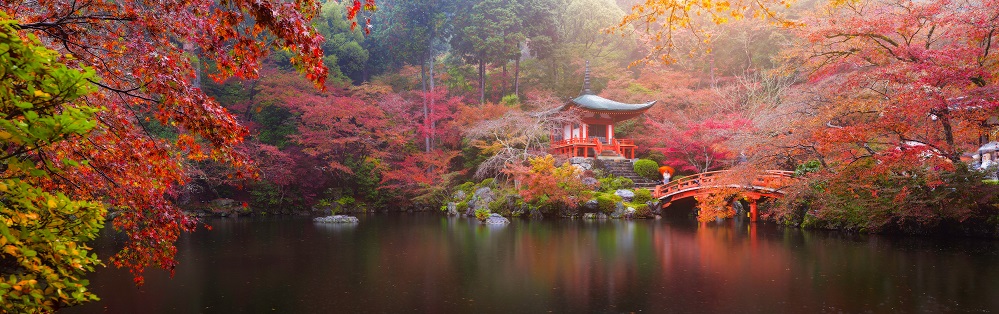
(571, 146)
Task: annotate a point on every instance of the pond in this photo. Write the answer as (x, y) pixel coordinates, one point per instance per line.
(391, 263)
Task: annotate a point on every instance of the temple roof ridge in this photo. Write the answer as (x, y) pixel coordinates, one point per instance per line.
(597, 103)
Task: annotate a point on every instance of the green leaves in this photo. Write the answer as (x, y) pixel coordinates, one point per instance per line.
(35, 91)
(42, 231)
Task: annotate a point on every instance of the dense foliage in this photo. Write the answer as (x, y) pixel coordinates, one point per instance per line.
(43, 231)
(647, 168)
(147, 60)
(145, 108)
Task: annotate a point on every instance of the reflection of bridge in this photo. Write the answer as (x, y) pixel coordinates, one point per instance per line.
(767, 184)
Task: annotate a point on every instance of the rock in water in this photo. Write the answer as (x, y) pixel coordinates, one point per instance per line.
(629, 213)
(480, 200)
(627, 195)
(336, 219)
(496, 219)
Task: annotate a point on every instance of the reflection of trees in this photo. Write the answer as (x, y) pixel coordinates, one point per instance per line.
(441, 265)
(578, 266)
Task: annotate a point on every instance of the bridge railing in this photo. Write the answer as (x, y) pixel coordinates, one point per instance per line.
(773, 179)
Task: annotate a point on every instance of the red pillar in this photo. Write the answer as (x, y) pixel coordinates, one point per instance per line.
(754, 212)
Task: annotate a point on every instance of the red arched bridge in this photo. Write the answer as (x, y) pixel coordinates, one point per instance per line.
(766, 184)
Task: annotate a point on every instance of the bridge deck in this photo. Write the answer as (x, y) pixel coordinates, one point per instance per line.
(770, 181)
(766, 184)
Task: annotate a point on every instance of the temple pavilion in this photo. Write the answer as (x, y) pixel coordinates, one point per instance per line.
(594, 136)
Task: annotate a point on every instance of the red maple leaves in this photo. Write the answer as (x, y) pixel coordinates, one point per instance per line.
(148, 55)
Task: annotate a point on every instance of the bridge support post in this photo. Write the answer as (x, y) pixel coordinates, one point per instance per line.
(754, 212)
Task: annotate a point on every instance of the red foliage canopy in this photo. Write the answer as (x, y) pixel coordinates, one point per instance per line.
(144, 53)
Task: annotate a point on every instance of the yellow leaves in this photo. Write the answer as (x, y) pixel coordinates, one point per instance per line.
(42, 94)
(52, 204)
(3, 187)
(838, 3)
(11, 250)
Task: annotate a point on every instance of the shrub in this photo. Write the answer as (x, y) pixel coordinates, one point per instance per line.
(497, 205)
(642, 210)
(658, 157)
(612, 183)
(547, 186)
(467, 187)
(488, 182)
(606, 202)
(642, 196)
(648, 169)
(481, 214)
(510, 100)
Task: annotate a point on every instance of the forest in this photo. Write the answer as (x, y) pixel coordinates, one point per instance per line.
(146, 115)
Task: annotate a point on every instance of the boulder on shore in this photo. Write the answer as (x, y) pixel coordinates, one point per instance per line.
(496, 219)
(336, 219)
(452, 209)
(480, 200)
(627, 195)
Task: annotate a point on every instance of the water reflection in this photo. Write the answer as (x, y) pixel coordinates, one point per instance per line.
(425, 263)
(335, 227)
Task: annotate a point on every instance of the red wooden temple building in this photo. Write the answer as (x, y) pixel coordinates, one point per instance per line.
(595, 135)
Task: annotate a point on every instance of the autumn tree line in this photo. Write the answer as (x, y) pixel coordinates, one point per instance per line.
(137, 113)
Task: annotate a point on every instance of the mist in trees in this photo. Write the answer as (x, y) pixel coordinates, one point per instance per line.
(318, 106)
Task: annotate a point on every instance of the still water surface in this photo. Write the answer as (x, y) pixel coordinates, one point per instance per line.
(396, 263)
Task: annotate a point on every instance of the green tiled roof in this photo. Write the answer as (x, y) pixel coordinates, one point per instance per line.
(597, 103)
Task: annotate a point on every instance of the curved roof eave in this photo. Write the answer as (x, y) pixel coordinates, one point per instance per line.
(597, 103)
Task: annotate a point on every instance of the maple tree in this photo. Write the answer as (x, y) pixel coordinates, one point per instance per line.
(658, 22)
(424, 178)
(898, 92)
(336, 128)
(547, 186)
(699, 146)
(143, 54)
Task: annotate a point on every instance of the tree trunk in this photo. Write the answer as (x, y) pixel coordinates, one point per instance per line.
(482, 81)
(952, 153)
(426, 113)
(516, 76)
(433, 124)
(503, 94)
